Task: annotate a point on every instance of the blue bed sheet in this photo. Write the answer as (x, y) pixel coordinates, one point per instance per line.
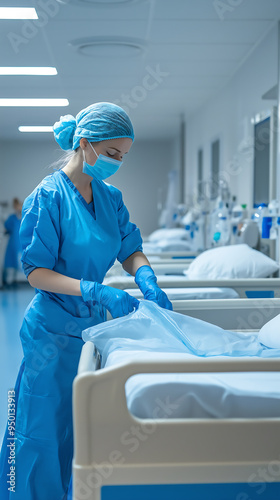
(151, 328)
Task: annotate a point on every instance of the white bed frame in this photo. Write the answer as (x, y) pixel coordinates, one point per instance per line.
(231, 314)
(268, 286)
(115, 450)
(170, 266)
(161, 266)
(174, 255)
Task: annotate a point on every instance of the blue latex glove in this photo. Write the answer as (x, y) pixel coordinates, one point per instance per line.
(118, 302)
(147, 282)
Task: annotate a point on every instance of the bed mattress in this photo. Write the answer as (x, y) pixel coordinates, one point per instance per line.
(202, 395)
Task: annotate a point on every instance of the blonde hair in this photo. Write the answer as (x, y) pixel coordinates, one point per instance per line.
(63, 160)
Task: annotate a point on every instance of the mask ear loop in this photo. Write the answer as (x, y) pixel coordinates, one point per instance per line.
(84, 156)
(93, 149)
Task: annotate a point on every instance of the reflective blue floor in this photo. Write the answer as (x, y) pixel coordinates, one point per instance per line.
(13, 303)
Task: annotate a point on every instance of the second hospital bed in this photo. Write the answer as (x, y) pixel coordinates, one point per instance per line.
(121, 455)
(178, 287)
(161, 266)
(212, 274)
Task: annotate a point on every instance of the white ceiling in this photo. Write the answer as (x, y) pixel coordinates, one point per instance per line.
(196, 47)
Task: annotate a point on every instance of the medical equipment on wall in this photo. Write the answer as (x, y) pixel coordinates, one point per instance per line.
(194, 224)
(224, 218)
(195, 221)
(271, 221)
(214, 219)
(238, 214)
(169, 213)
(209, 222)
(224, 193)
(259, 212)
(248, 232)
(225, 226)
(220, 225)
(244, 229)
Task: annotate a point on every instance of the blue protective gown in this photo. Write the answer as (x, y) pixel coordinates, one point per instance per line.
(13, 249)
(59, 231)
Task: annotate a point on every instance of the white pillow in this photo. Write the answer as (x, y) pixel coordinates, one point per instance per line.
(230, 262)
(269, 334)
(173, 245)
(170, 234)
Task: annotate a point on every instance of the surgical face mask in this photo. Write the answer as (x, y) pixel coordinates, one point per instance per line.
(104, 166)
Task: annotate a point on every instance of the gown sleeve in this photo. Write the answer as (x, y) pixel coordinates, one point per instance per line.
(39, 231)
(130, 234)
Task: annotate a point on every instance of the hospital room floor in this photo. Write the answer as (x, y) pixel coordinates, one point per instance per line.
(13, 303)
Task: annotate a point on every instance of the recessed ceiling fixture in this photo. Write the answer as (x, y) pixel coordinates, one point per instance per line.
(114, 47)
(100, 3)
(46, 71)
(36, 128)
(18, 13)
(34, 102)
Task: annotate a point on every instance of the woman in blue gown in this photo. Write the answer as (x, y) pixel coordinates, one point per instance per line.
(13, 249)
(74, 227)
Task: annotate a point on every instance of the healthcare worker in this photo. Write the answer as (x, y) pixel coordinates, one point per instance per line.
(13, 249)
(74, 227)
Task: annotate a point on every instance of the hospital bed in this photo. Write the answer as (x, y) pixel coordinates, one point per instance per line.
(122, 456)
(170, 266)
(161, 266)
(176, 286)
(164, 246)
(173, 255)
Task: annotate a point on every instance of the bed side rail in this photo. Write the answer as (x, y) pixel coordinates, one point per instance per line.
(102, 419)
(267, 287)
(231, 314)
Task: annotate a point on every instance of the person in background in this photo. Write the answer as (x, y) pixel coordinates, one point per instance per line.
(13, 249)
(74, 227)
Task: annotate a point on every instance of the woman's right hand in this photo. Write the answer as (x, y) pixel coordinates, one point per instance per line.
(118, 302)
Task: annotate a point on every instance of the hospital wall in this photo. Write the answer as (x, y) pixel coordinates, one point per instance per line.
(228, 117)
(143, 180)
(144, 174)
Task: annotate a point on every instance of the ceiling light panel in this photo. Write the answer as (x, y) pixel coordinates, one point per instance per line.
(33, 102)
(36, 128)
(100, 3)
(44, 71)
(18, 13)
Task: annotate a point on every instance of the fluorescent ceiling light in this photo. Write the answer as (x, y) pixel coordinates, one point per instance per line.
(99, 3)
(5, 70)
(18, 13)
(26, 128)
(34, 102)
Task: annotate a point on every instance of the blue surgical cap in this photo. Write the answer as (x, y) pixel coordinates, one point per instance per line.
(98, 122)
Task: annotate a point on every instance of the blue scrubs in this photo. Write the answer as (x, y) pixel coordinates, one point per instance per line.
(13, 249)
(59, 231)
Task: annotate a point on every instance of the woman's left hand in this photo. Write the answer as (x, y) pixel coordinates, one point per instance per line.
(147, 282)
